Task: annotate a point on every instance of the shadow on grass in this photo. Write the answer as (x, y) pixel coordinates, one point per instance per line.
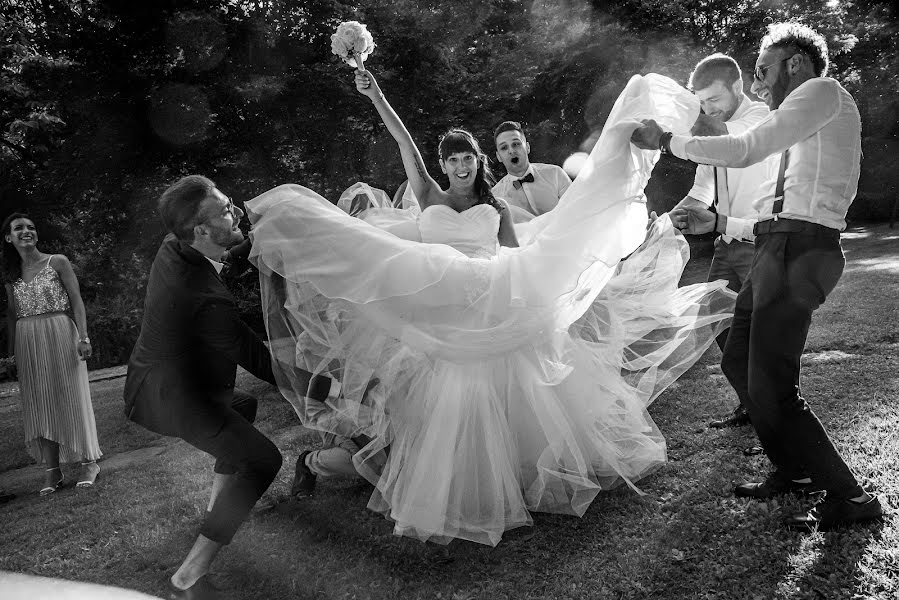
(687, 537)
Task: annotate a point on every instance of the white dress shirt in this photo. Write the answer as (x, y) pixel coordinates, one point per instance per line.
(739, 188)
(536, 197)
(819, 123)
(218, 266)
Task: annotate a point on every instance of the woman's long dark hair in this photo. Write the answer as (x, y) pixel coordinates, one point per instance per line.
(459, 140)
(10, 261)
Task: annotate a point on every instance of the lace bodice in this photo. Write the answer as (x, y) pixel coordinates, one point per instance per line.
(472, 232)
(43, 294)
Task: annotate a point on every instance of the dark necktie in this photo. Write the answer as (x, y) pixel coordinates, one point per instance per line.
(529, 178)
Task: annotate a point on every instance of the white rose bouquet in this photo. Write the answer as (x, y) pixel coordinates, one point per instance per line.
(353, 43)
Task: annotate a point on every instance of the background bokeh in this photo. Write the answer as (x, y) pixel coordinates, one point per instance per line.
(103, 103)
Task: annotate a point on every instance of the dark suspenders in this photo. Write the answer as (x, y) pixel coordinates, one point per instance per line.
(779, 190)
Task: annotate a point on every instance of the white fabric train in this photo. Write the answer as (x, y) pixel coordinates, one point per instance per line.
(511, 379)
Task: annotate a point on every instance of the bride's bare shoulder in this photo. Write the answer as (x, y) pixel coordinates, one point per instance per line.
(434, 197)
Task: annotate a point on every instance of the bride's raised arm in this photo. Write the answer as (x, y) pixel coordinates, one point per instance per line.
(424, 186)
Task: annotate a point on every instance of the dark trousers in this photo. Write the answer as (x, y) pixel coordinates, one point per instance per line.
(730, 262)
(792, 273)
(240, 450)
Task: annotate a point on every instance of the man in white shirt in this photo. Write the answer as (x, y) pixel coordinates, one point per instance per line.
(814, 126)
(531, 189)
(718, 83)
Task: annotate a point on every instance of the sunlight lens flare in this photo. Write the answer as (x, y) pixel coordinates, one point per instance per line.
(574, 163)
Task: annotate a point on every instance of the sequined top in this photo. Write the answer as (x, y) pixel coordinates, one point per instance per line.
(43, 294)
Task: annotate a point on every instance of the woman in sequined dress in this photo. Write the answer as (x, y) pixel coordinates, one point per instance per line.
(50, 350)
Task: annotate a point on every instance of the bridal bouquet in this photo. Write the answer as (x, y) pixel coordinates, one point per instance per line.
(353, 43)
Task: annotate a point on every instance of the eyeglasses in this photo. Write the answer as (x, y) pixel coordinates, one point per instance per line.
(761, 72)
(228, 209)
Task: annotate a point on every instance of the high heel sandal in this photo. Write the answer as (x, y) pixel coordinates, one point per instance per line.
(52, 488)
(88, 476)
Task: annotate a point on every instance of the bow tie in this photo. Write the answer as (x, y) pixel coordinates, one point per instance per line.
(529, 178)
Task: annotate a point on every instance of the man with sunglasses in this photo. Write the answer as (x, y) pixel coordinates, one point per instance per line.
(182, 370)
(815, 129)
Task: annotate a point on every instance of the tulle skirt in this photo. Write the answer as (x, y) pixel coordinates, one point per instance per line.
(506, 385)
(54, 390)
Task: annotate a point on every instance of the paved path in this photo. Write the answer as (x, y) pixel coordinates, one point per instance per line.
(22, 481)
(11, 388)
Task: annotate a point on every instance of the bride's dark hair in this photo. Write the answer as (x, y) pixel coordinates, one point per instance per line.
(459, 140)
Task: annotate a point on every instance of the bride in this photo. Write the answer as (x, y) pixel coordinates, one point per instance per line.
(513, 377)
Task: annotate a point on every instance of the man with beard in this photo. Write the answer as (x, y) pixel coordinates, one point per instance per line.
(531, 189)
(718, 83)
(182, 371)
(815, 129)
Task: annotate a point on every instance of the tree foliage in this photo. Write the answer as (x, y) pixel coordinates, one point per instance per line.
(105, 102)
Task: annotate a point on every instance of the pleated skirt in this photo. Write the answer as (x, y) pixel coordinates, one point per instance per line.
(54, 390)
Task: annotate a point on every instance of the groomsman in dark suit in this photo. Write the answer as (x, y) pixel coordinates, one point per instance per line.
(182, 371)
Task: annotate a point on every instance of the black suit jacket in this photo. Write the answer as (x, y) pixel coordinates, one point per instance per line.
(182, 369)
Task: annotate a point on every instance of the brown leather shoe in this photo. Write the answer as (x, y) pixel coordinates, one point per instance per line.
(739, 417)
(830, 513)
(303, 479)
(775, 484)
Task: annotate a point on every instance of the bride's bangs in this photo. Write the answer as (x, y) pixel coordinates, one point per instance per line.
(457, 141)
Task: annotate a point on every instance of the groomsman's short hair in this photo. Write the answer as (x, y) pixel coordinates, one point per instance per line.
(798, 38)
(507, 126)
(179, 206)
(717, 67)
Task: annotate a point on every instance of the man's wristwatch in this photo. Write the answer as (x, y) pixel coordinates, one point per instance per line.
(665, 142)
(85, 339)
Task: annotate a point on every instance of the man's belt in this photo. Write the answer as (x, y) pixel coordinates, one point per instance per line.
(793, 226)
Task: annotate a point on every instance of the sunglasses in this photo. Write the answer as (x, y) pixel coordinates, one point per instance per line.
(761, 72)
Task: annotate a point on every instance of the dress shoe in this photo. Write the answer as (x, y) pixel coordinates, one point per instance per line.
(202, 589)
(6, 497)
(51, 486)
(90, 471)
(830, 513)
(738, 418)
(774, 485)
(303, 478)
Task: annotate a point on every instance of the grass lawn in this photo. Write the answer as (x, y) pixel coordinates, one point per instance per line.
(687, 537)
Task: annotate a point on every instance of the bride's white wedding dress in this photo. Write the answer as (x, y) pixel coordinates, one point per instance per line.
(511, 379)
